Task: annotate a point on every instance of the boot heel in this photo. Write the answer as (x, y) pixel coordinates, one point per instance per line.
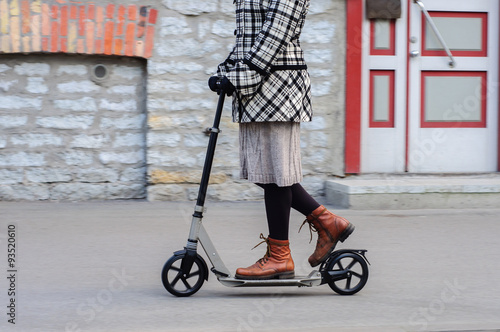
(287, 275)
(348, 231)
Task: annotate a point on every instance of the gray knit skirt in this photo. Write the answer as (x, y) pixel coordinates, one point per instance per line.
(270, 152)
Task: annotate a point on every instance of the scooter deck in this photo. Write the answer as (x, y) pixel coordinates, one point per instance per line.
(313, 279)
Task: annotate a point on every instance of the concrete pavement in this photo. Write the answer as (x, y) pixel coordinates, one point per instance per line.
(96, 266)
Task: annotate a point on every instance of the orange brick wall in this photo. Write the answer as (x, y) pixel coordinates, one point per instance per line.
(50, 26)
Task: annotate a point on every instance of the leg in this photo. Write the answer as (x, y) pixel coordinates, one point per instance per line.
(278, 201)
(302, 201)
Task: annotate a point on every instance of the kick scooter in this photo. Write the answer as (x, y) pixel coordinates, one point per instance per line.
(345, 271)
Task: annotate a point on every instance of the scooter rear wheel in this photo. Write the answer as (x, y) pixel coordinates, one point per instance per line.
(179, 284)
(349, 273)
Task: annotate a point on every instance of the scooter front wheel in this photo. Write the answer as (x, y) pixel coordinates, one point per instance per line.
(348, 273)
(181, 284)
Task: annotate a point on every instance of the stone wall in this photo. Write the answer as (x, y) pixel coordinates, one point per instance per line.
(64, 136)
(192, 38)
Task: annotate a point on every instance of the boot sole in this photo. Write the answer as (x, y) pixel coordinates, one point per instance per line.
(348, 231)
(343, 236)
(283, 275)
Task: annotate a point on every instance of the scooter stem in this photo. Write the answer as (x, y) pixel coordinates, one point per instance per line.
(207, 168)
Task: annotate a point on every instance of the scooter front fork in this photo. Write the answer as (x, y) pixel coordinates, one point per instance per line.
(192, 243)
(189, 257)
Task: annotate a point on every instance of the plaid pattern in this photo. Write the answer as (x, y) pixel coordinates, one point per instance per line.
(267, 64)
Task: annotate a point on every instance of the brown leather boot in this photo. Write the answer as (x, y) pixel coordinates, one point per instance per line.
(330, 228)
(277, 263)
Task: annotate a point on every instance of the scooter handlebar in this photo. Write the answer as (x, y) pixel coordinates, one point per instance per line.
(221, 85)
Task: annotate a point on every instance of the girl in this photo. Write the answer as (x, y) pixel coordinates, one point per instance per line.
(267, 76)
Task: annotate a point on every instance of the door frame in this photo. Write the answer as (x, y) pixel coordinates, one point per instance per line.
(354, 69)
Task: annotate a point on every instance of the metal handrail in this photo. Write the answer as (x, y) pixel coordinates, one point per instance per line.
(436, 32)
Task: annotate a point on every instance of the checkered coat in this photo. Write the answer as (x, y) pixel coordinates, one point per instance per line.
(267, 65)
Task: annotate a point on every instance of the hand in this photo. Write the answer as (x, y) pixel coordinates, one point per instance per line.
(221, 84)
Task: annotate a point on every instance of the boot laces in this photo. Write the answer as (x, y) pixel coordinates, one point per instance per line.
(264, 259)
(312, 228)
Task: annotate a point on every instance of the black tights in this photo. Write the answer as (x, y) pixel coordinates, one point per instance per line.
(279, 200)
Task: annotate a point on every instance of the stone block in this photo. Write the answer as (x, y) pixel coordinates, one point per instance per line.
(204, 28)
(66, 122)
(180, 105)
(134, 175)
(227, 8)
(129, 73)
(318, 32)
(318, 55)
(48, 175)
(320, 7)
(124, 122)
(5, 85)
(188, 47)
(78, 191)
(13, 121)
(89, 142)
(78, 87)
(224, 28)
(162, 139)
(191, 7)
(174, 26)
(318, 123)
(73, 70)
(77, 158)
(170, 159)
(133, 157)
(159, 176)
(166, 192)
(314, 185)
(24, 192)
(321, 89)
(96, 175)
(85, 104)
(37, 85)
(121, 191)
(4, 68)
(234, 192)
(127, 140)
(36, 140)
(17, 103)
(314, 158)
(165, 86)
(123, 89)
(32, 69)
(122, 106)
(172, 67)
(22, 159)
(158, 122)
(320, 72)
(11, 176)
(195, 140)
(197, 87)
(318, 139)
